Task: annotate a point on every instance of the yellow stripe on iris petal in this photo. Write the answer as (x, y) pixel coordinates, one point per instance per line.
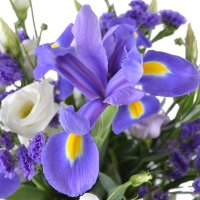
(136, 109)
(155, 68)
(74, 147)
(135, 34)
(54, 45)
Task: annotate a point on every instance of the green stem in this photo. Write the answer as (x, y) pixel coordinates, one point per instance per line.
(29, 59)
(170, 108)
(120, 189)
(33, 19)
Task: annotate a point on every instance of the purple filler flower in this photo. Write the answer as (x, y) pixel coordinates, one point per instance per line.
(139, 4)
(9, 70)
(35, 147)
(6, 164)
(6, 140)
(196, 185)
(158, 195)
(172, 18)
(22, 35)
(143, 191)
(25, 163)
(180, 165)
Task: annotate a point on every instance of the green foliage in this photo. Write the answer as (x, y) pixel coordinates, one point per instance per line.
(102, 127)
(28, 193)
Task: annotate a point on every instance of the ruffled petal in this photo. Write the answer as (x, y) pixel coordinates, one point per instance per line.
(72, 179)
(129, 75)
(72, 122)
(124, 96)
(8, 186)
(168, 75)
(89, 45)
(135, 112)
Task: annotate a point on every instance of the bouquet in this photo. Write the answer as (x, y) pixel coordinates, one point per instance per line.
(96, 128)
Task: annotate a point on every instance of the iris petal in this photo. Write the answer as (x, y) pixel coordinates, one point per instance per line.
(135, 112)
(89, 45)
(72, 180)
(8, 186)
(168, 75)
(69, 120)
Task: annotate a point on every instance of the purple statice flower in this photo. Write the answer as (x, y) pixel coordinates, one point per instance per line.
(36, 146)
(159, 195)
(103, 20)
(179, 163)
(142, 192)
(150, 20)
(139, 4)
(172, 18)
(22, 35)
(9, 70)
(6, 140)
(4, 94)
(142, 16)
(25, 163)
(197, 160)
(196, 185)
(6, 164)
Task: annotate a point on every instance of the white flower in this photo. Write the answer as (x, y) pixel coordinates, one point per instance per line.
(149, 127)
(21, 4)
(29, 110)
(28, 47)
(89, 196)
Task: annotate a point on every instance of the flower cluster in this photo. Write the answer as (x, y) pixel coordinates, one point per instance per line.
(107, 83)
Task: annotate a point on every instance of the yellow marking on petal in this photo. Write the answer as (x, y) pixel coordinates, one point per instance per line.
(135, 34)
(155, 68)
(74, 146)
(54, 46)
(136, 109)
(26, 109)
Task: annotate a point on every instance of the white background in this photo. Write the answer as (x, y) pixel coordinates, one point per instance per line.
(58, 14)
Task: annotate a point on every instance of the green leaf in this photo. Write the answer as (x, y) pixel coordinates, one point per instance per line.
(107, 183)
(102, 127)
(117, 193)
(77, 5)
(28, 193)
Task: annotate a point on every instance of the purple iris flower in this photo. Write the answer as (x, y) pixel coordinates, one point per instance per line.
(109, 68)
(71, 159)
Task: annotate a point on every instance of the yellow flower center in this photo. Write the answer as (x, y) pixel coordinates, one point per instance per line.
(74, 146)
(26, 109)
(136, 109)
(155, 68)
